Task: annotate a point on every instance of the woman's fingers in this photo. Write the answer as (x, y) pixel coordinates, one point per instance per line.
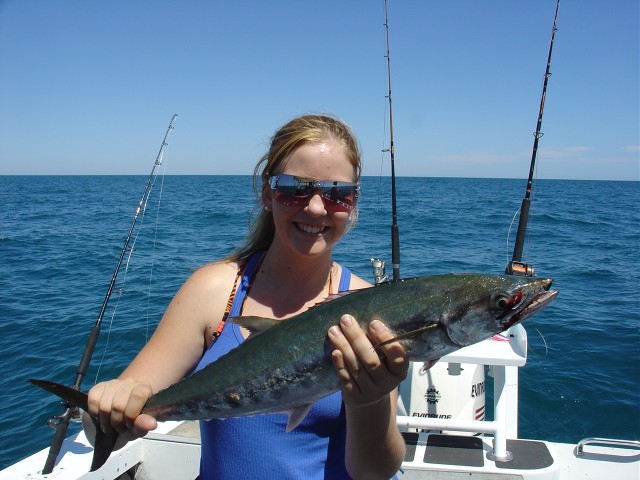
(142, 425)
(138, 397)
(354, 343)
(341, 368)
(367, 374)
(393, 353)
(118, 403)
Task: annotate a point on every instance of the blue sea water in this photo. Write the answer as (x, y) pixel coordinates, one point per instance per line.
(60, 238)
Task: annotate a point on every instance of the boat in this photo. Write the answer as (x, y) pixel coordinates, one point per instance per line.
(462, 444)
(439, 448)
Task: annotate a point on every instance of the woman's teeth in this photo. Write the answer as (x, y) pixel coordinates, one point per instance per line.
(310, 228)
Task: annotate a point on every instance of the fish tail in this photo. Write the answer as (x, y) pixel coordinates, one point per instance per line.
(73, 396)
(104, 442)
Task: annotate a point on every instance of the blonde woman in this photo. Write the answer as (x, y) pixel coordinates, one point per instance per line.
(285, 267)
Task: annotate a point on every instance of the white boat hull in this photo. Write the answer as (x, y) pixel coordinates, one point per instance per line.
(170, 453)
(173, 450)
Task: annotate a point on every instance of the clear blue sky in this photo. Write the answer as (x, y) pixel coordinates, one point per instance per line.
(89, 87)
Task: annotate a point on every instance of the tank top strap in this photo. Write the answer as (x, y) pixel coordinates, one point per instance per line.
(253, 263)
(345, 280)
(239, 295)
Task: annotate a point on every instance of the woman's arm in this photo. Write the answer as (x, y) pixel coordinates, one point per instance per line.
(172, 352)
(374, 446)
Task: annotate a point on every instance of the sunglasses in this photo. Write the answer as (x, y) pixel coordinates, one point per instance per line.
(296, 191)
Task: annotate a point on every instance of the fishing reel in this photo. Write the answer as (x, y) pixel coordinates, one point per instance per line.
(74, 414)
(378, 271)
(520, 269)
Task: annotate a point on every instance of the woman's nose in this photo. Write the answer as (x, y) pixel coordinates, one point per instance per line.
(316, 205)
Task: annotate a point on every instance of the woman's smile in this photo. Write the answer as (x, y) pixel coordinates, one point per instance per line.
(312, 229)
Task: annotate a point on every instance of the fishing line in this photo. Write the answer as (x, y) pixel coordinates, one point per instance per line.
(515, 215)
(546, 348)
(153, 250)
(377, 242)
(120, 290)
(516, 266)
(383, 150)
(377, 264)
(60, 423)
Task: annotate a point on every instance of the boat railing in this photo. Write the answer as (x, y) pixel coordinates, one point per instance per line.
(606, 441)
(504, 358)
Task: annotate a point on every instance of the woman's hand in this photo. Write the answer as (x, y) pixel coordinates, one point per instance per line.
(117, 404)
(367, 374)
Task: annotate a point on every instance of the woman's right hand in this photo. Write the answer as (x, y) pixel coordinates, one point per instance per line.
(118, 403)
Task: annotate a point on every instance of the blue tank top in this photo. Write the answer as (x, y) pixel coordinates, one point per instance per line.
(257, 447)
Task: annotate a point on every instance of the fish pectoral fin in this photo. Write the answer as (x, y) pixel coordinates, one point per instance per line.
(296, 416)
(428, 364)
(255, 325)
(406, 335)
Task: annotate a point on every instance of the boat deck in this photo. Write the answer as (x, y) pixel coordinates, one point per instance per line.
(173, 452)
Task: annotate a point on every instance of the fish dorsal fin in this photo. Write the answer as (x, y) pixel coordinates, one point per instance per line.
(333, 296)
(256, 325)
(296, 416)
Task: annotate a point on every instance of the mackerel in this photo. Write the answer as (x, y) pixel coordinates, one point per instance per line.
(285, 365)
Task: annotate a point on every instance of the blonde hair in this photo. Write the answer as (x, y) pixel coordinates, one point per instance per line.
(304, 130)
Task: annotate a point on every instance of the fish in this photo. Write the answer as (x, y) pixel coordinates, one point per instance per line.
(285, 365)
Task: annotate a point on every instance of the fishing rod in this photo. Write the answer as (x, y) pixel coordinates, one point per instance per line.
(378, 265)
(60, 423)
(395, 232)
(517, 266)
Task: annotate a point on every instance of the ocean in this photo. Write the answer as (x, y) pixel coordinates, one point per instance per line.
(61, 236)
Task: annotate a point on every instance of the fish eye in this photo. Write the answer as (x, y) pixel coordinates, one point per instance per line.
(500, 301)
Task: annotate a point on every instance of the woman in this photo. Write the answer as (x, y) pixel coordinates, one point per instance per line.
(286, 267)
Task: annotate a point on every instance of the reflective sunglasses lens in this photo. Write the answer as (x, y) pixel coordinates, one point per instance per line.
(340, 199)
(295, 191)
(340, 193)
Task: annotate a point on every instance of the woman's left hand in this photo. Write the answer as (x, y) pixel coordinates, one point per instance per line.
(367, 374)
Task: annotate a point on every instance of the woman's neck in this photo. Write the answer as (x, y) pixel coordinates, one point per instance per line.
(286, 284)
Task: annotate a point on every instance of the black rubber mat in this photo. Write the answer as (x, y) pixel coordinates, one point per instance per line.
(454, 450)
(527, 455)
(410, 441)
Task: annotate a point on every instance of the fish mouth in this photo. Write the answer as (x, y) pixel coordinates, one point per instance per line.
(541, 300)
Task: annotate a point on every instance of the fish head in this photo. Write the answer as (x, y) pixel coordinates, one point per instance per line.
(484, 305)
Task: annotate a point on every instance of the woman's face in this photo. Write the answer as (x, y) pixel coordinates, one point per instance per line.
(310, 229)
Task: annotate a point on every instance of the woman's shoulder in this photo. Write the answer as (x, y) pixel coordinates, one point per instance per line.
(210, 280)
(357, 283)
(213, 270)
